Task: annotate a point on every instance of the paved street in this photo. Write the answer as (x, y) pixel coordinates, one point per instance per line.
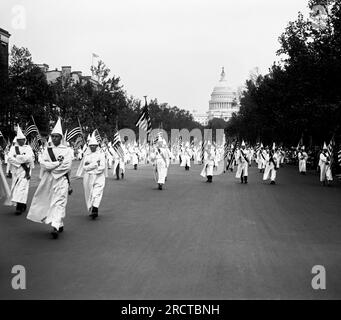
(192, 240)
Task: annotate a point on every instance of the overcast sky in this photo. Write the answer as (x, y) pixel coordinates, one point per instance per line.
(172, 50)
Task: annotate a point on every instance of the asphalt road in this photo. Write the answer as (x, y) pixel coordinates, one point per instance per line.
(192, 240)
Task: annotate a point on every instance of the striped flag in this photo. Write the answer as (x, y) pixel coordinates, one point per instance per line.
(73, 133)
(226, 149)
(98, 136)
(330, 149)
(35, 144)
(117, 143)
(203, 151)
(144, 121)
(31, 129)
(339, 156)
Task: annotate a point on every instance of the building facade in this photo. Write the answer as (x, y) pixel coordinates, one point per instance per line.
(4, 45)
(223, 103)
(66, 74)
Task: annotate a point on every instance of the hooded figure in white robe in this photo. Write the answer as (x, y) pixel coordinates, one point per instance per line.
(186, 157)
(159, 157)
(209, 164)
(21, 158)
(302, 161)
(242, 159)
(5, 192)
(271, 166)
(49, 201)
(325, 166)
(94, 177)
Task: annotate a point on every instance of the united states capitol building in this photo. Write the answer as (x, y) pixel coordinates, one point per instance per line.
(223, 103)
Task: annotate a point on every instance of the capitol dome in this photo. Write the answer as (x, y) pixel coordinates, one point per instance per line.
(223, 100)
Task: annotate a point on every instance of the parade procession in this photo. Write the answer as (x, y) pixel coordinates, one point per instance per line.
(99, 160)
(170, 149)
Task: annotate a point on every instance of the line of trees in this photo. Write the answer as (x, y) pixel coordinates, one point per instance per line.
(301, 94)
(27, 94)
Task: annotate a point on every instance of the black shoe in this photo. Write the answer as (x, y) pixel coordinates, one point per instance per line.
(160, 186)
(245, 179)
(18, 212)
(54, 233)
(122, 175)
(272, 182)
(61, 229)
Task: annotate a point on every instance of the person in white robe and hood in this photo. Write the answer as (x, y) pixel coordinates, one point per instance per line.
(209, 164)
(94, 177)
(49, 201)
(326, 176)
(21, 159)
(159, 158)
(302, 160)
(271, 165)
(242, 159)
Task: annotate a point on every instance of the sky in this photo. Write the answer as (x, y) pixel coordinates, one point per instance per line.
(172, 50)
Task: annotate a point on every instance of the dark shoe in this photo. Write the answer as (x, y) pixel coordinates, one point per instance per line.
(272, 182)
(245, 179)
(122, 175)
(61, 229)
(160, 186)
(54, 233)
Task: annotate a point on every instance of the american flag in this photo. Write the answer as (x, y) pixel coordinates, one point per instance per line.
(339, 156)
(97, 136)
(226, 149)
(117, 143)
(35, 144)
(330, 148)
(31, 129)
(144, 121)
(73, 133)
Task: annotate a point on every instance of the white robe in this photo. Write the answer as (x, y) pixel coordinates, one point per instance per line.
(208, 167)
(270, 170)
(20, 185)
(186, 158)
(94, 178)
(242, 163)
(302, 161)
(50, 199)
(160, 172)
(325, 169)
(5, 191)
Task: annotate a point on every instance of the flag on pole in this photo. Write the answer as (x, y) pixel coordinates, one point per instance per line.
(35, 144)
(97, 136)
(73, 133)
(31, 129)
(330, 149)
(339, 156)
(117, 143)
(94, 55)
(144, 122)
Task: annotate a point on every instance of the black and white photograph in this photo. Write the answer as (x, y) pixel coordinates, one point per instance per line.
(170, 150)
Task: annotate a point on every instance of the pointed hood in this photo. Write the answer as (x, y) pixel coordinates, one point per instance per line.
(20, 135)
(93, 141)
(273, 146)
(58, 128)
(243, 144)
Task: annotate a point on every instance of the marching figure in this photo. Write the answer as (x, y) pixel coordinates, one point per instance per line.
(186, 157)
(21, 159)
(160, 161)
(209, 165)
(302, 161)
(94, 177)
(271, 165)
(50, 199)
(325, 166)
(5, 191)
(261, 158)
(243, 160)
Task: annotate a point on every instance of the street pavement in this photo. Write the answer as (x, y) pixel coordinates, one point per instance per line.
(192, 240)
